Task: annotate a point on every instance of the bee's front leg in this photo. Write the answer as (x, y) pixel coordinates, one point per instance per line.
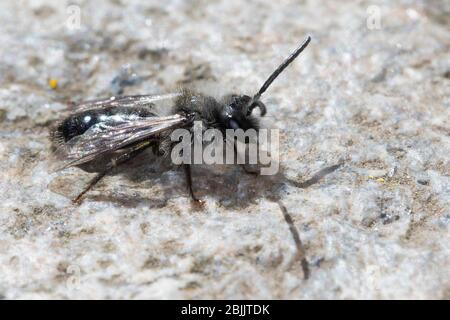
(250, 170)
(187, 171)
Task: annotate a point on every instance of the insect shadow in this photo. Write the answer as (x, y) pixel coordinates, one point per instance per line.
(155, 185)
(227, 185)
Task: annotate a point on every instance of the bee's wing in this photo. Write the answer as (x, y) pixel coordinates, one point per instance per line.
(124, 101)
(103, 138)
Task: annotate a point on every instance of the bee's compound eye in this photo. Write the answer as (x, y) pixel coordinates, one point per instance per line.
(232, 124)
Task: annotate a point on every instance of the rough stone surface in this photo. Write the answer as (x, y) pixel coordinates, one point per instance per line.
(372, 97)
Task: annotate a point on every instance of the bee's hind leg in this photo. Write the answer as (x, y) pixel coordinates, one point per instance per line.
(91, 184)
(131, 153)
(187, 171)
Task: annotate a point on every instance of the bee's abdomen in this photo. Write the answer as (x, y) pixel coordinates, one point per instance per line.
(76, 125)
(79, 123)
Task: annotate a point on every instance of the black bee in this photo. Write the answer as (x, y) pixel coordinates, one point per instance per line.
(102, 134)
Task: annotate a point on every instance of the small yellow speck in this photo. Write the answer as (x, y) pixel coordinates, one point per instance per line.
(53, 83)
(380, 180)
(371, 177)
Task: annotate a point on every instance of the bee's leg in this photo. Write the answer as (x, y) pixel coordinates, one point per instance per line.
(91, 184)
(187, 171)
(244, 166)
(248, 170)
(121, 159)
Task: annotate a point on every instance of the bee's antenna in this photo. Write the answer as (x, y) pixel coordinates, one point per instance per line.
(281, 67)
(277, 72)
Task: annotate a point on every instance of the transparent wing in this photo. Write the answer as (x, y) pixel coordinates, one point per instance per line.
(124, 101)
(103, 138)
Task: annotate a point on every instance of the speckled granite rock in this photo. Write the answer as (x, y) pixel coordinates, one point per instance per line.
(372, 94)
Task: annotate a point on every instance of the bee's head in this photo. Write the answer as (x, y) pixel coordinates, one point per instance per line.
(237, 112)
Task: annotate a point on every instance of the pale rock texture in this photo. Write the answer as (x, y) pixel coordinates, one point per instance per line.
(371, 93)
